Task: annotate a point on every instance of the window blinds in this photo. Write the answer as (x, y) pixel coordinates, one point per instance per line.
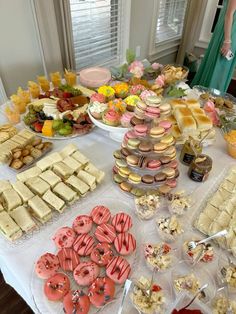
(97, 32)
(170, 20)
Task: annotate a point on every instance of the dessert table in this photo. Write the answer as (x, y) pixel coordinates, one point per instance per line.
(17, 261)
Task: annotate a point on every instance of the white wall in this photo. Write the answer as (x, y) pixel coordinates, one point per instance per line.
(20, 59)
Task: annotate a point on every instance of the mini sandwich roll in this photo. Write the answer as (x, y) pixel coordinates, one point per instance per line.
(78, 185)
(94, 171)
(37, 185)
(8, 227)
(72, 163)
(23, 219)
(54, 201)
(187, 125)
(10, 199)
(39, 209)
(50, 177)
(29, 173)
(65, 192)
(62, 170)
(23, 191)
(80, 157)
(87, 178)
(4, 185)
(177, 103)
(68, 150)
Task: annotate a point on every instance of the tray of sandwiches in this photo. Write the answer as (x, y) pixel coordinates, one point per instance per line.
(218, 210)
(189, 119)
(43, 192)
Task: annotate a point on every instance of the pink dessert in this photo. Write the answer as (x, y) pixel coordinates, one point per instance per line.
(85, 273)
(154, 164)
(84, 244)
(125, 119)
(82, 224)
(111, 117)
(171, 183)
(102, 254)
(105, 233)
(125, 243)
(98, 97)
(152, 112)
(76, 301)
(56, 287)
(47, 265)
(165, 124)
(118, 269)
(136, 89)
(101, 291)
(173, 164)
(146, 93)
(100, 214)
(141, 130)
(64, 237)
(68, 259)
(122, 222)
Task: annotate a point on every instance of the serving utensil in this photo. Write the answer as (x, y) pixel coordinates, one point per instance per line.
(124, 294)
(193, 244)
(148, 292)
(200, 291)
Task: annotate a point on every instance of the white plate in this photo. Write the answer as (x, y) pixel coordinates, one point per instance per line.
(41, 302)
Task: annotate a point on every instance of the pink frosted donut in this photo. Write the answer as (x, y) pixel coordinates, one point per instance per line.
(56, 287)
(122, 222)
(84, 244)
(64, 237)
(118, 269)
(100, 214)
(125, 243)
(101, 291)
(47, 265)
(85, 273)
(105, 233)
(68, 259)
(102, 254)
(76, 302)
(82, 224)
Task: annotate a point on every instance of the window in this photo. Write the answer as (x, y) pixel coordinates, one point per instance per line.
(98, 31)
(170, 20)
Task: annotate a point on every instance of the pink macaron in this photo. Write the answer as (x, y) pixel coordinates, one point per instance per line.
(173, 164)
(115, 169)
(141, 130)
(152, 112)
(165, 124)
(154, 164)
(128, 135)
(171, 183)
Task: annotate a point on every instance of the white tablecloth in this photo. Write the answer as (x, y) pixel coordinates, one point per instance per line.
(17, 263)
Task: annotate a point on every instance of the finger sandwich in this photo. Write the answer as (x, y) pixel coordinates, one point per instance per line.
(65, 192)
(62, 170)
(4, 185)
(48, 161)
(37, 185)
(50, 177)
(54, 201)
(80, 157)
(72, 163)
(29, 173)
(23, 219)
(10, 199)
(23, 191)
(78, 185)
(8, 227)
(68, 150)
(94, 171)
(88, 179)
(39, 209)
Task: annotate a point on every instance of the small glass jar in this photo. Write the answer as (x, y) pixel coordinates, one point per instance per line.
(200, 168)
(190, 149)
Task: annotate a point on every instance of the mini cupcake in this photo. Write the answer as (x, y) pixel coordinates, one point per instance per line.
(131, 102)
(111, 117)
(121, 90)
(97, 97)
(147, 93)
(136, 89)
(117, 104)
(107, 91)
(125, 119)
(96, 109)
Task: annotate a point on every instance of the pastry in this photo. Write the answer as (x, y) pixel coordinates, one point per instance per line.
(105, 233)
(100, 214)
(37, 185)
(47, 266)
(125, 119)
(50, 177)
(96, 109)
(122, 222)
(85, 273)
(111, 117)
(157, 132)
(78, 185)
(101, 291)
(39, 209)
(68, 259)
(8, 227)
(53, 201)
(23, 191)
(118, 269)
(84, 244)
(64, 237)
(23, 219)
(68, 150)
(82, 224)
(94, 171)
(125, 243)
(80, 157)
(65, 193)
(102, 254)
(10, 199)
(73, 163)
(4, 185)
(56, 287)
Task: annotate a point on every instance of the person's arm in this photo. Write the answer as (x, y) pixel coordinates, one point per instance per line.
(228, 27)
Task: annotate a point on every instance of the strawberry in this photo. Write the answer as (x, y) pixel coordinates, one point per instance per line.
(156, 288)
(66, 95)
(38, 127)
(166, 248)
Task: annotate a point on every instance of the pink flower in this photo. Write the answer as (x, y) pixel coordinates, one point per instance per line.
(97, 97)
(156, 66)
(209, 106)
(212, 112)
(160, 81)
(136, 68)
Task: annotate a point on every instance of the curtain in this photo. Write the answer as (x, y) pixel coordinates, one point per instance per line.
(190, 35)
(63, 16)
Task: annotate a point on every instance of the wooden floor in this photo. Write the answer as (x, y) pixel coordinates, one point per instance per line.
(10, 301)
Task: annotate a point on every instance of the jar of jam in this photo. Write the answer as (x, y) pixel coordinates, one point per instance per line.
(200, 168)
(189, 151)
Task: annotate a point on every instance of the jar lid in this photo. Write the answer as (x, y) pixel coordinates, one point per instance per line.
(203, 161)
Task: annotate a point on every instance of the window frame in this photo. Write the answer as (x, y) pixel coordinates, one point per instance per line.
(164, 48)
(125, 33)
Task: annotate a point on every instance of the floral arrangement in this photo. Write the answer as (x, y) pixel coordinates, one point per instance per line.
(117, 104)
(135, 68)
(107, 91)
(121, 89)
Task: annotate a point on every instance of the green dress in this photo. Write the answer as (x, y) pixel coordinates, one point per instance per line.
(215, 70)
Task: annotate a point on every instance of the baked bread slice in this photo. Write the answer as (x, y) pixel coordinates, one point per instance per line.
(29, 173)
(23, 219)
(54, 201)
(65, 192)
(192, 103)
(8, 227)
(50, 177)
(187, 125)
(37, 185)
(23, 191)
(177, 103)
(181, 113)
(10, 199)
(203, 122)
(78, 185)
(39, 209)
